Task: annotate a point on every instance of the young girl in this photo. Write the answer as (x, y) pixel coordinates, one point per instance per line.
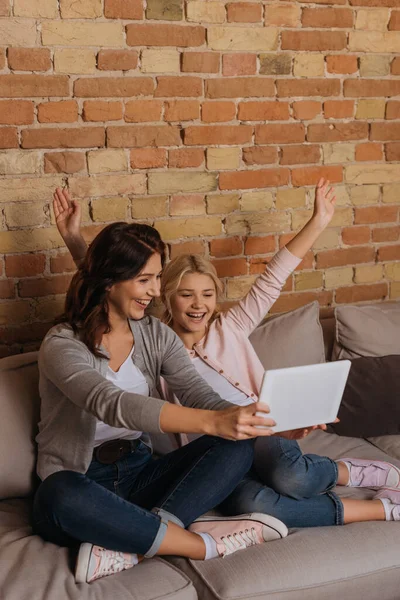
(293, 487)
(99, 370)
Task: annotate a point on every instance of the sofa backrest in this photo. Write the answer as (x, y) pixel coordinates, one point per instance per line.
(20, 409)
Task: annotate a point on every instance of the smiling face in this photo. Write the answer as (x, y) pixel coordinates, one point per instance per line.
(129, 299)
(194, 303)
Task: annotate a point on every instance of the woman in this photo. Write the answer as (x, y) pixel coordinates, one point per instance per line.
(99, 372)
(293, 487)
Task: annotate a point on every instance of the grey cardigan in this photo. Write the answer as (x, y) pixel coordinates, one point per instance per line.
(74, 392)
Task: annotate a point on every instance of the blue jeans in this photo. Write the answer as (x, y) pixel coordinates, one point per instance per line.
(110, 505)
(288, 485)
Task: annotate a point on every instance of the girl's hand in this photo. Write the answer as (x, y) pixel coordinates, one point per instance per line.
(68, 215)
(241, 422)
(324, 205)
(300, 434)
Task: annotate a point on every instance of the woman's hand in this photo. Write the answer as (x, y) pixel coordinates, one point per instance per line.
(68, 220)
(241, 422)
(300, 434)
(324, 205)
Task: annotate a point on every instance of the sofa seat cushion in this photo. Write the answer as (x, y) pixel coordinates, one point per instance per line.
(360, 561)
(32, 569)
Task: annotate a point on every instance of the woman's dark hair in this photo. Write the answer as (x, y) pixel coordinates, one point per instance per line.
(118, 253)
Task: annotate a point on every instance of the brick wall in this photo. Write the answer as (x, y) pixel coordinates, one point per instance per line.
(211, 120)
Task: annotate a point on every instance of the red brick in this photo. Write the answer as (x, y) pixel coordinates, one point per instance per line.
(306, 110)
(291, 301)
(64, 162)
(342, 64)
(148, 158)
(196, 247)
(263, 111)
(7, 289)
(345, 256)
(33, 86)
(112, 87)
(44, 286)
(139, 136)
(65, 111)
(240, 87)
(217, 134)
(187, 204)
(395, 67)
(257, 265)
(337, 132)
(311, 175)
(16, 112)
(369, 151)
(244, 12)
(5, 9)
(361, 293)
(314, 40)
(139, 111)
(388, 253)
(277, 133)
(186, 157)
(227, 247)
(8, 137)
(338, 109)
(371, 88)
(29, 333)
(239, 64)
(241, 180)
(200, 62)
(393, 109)
(62, 263)
(260, 155)
(72, 137)
(354, 236)
(102, 110)
(183, 36)
(29, 59)
(300, 155)
(392, 151)
(117, 60)
(123, 9)
(25, 265)
(376, 214)
(260, 245)
(394, 23)
(291, 88)
(380, 3)
(386, 234)
(2, 56)
(231, 267)
(327, 17)
(218, 111)
(385, 131)
(179, 86)
(181, 110)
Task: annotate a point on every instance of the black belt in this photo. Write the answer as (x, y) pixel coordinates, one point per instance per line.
(109, 452)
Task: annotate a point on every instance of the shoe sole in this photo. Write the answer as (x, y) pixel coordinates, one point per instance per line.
(276, 529)
(82, 563)
(378, 462)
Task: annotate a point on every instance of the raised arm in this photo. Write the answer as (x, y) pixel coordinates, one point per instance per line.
(68, 215)
(251, 310)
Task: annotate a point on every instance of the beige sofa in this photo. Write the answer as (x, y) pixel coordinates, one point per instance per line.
(359, 561)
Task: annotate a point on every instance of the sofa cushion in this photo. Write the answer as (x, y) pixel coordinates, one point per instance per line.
(370, 404)
(370, 330)
(292, 339)
(20, 408)
(35, 569)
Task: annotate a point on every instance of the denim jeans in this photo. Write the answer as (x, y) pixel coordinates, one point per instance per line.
(288, 485)
(110, 505)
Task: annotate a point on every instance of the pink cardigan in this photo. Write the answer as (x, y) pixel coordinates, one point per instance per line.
(226, 346)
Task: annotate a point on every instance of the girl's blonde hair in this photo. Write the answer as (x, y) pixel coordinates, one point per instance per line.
(175, 271)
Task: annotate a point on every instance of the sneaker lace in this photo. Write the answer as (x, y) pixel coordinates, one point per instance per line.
(239, 540)
(111, 562)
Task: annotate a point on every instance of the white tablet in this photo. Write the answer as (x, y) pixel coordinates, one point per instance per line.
(304, 396)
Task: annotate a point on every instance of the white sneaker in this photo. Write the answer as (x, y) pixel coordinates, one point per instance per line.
(390, 498)
(94, 562)
(237, 533)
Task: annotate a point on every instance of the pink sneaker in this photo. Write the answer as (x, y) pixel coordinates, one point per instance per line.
(240, 532)
(371, 473)
(94, 562)
(390, 498)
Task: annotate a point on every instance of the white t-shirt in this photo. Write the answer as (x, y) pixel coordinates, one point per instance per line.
(219, 384)
(130, 379)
